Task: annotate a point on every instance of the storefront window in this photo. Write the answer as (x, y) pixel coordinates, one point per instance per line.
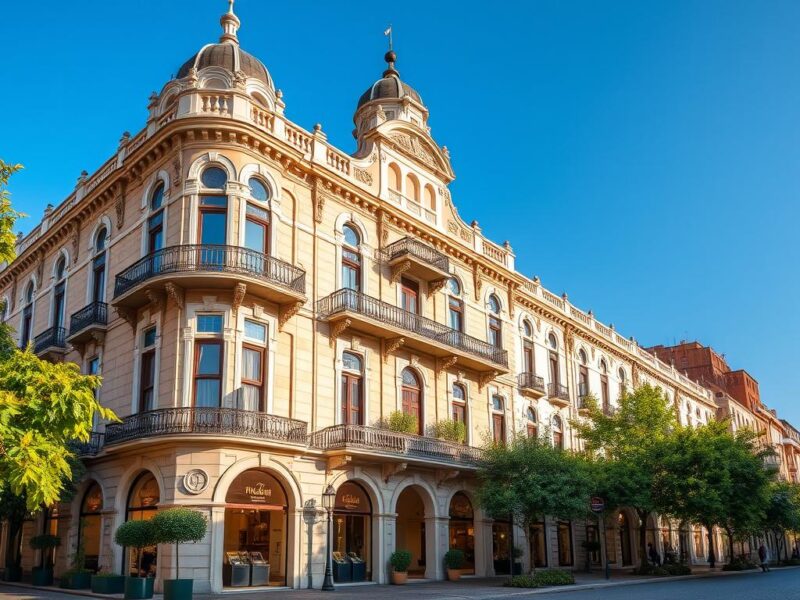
(462, 529)
(255, 551)
(90, 527)
(352, 534)
(142, 506)
(501, 546)
(538, 545)
(564, 543)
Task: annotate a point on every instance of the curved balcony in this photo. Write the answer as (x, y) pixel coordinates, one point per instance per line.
(206, 421)
(210, 266)
(88, 448)
(88, 322)
(51, 341)
(381, 319)
(409, 255)
(531, 384)
(373, 442)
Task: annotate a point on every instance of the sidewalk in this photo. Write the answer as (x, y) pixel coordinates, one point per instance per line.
(468, 588)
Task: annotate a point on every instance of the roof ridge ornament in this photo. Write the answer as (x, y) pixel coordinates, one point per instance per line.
(391, 56)
(230, 25)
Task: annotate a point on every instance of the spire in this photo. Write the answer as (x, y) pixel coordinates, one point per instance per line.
(391, 56)
(230, 25)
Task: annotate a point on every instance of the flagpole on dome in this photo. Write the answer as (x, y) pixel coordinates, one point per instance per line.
(388, 33)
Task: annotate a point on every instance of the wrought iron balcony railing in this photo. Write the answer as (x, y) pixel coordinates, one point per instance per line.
(557, 390)
(55, 337)
(95, 313)
(211, 258)
(210, 421)
(419, 250)
(341, 437)
(352, 300)
(90, 447)
(531, 381)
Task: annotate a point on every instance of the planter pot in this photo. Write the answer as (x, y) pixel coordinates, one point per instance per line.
(108, 584)
(13, 573)
(399, 578)
(42, 576)
(76, 581)
(453, 574)
(178, 589)
(138, 588)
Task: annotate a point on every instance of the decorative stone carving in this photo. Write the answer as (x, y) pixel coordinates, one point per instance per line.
(477, 281)
(176, 171)
(119, 209)
(389, 469)
(156, 299)
(337, 329)
(238, 297)
(436, 286)
(195, 481)
(40, 270)
(443, 364)
(287, 311)
(337, 462)
(486, 378)
(75, 239)
(398, 269)
(413, 145)
(392, 346)
(175, 293)
(362, 176)
(129, 314)
(444, 475)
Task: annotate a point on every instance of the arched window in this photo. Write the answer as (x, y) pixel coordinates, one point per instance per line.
(412, 396)
(213, 217)
(498, 420)
(528, 353)
(99, 266)
(394, 177)
(459, 404)
(27, 316)
(455, 305)
(155, 222)
(59, 292)
(351, 258)
(604, 395)
(142, 505)
(430, 197)
(257, 218)
(582, 356)
(554, 369)
(558, 434)
(583, 374)
(352, 389)
(495, 325)
(532, 426)
(90, 526)
(412, 188)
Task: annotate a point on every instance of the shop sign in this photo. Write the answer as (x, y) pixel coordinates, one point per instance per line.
(256, 487)
(352, 498)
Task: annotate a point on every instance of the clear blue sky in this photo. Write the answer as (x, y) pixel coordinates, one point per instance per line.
(645, 154)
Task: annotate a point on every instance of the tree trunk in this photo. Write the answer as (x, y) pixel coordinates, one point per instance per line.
(731, 555)
(712, 555)
(139, 562)
(642, 540)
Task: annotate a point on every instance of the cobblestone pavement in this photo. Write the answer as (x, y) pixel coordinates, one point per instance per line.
(781, 584)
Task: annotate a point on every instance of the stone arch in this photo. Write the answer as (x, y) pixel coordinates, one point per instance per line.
(293, 492)
(408, 532)
(370, 485)
(212, 158)
(62, 253)
(162, 176)
(103, 221)
(259, 171)
(349, 217)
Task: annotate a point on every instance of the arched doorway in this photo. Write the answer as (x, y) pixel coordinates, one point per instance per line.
(255, 531)
(142, 505)
(412, 396)
(411, 533)
(90, 525)
(352, 533)
(625, 539)
(462, 529)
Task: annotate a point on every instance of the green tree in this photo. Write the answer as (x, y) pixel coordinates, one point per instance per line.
(529, 479)
(8, 216)
(714, 477)
(625, 444)
(782, 512)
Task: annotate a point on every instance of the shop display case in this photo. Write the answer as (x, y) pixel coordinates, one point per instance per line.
(359, 567)
(236, 570)
(342, 568)
(259, 569)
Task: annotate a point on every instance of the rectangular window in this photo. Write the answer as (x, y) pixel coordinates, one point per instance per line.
(149, 337)
(207, 373)
(252, 378)
(498, 428)
(351, 399)
(147, 381)
(213, 223)
(456, 310)
(155, 232)
(538, 546)
(254, 330)
(256, 229)
(58, 305)
(495, 339)
(554, 370)
(351, 270)
(27, 324)
(409, 295)
(527, 356)
(459, 412)
(604, 393)
(564, 544)
(209, 323)
(99, 278)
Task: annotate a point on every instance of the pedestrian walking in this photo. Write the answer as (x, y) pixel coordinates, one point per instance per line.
(763, 556)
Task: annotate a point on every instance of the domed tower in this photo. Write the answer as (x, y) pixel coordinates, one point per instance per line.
(221, 66)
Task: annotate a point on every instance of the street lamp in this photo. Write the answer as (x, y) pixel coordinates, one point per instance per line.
(328, 498)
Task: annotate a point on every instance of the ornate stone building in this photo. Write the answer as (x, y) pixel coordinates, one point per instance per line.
(258, 302)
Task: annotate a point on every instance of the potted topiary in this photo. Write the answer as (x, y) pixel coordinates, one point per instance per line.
(400, 561)
(401, 422)
(176, 526)
(138, 535)
(43, 575)
(106, 582)
(454, 562)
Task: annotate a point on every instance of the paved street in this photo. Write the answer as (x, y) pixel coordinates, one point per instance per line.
(781, 584)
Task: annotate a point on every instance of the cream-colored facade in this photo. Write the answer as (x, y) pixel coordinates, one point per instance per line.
(223, 357)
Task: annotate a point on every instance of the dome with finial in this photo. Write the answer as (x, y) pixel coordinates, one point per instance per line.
(390, 86)
(227, 54)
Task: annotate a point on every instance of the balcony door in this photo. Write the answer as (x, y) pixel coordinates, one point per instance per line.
(256, 236)
(412, 397)
(409, 295)
(352, 389)
(58, 305)
(583, 381)
(527, 356)
(212, 230)
(554, 370)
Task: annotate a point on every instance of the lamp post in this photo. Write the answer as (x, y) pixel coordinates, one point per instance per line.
(328, 498)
